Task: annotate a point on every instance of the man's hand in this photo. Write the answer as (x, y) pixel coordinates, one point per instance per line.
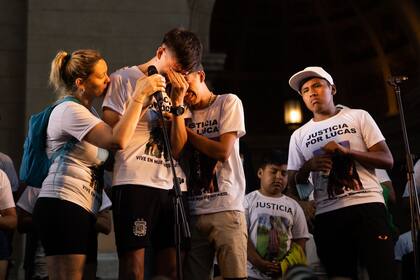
(332, 147)
(320, 163)
(267, 266)
(147, 86)
(179, 87)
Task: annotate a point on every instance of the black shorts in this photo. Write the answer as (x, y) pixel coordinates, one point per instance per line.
(352, 235)
(63, 227)
(143, 217)
(6, 238)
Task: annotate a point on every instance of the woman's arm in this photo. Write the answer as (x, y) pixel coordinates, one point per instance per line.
(116, 132)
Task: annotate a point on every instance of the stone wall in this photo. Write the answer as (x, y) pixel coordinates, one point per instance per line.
(13, 16)
(126, 33)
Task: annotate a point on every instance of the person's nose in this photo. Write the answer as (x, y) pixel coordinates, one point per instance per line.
(312, 92)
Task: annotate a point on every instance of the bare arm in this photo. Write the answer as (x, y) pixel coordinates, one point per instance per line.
(8, 219)
(103, 222)
(219, 150)
(178, 135)
(110, 117)
(291, 184)
(118, 135)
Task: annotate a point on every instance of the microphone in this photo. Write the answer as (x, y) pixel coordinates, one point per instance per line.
(397, 79)
(151, 70)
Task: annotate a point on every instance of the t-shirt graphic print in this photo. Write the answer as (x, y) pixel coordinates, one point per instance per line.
(201, 175)
(272, 236)
(343, 177)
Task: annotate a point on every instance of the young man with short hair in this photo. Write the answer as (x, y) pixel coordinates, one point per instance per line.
(142, 206)
(338, 150)
(215, 179)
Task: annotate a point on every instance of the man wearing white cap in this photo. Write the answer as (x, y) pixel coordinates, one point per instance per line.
(338, 151)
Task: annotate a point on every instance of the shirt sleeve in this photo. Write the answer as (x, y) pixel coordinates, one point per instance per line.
(295, 158)
(382, 175)
(232, 118)
(8, 167)
(77, 120)
(116, 96)
(6, 197)
(370, 131)
(28, 199)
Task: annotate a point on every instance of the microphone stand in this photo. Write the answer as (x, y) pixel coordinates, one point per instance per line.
(179, 211)
(414, 200)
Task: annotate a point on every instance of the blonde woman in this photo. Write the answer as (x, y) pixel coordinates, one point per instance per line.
(70, 197)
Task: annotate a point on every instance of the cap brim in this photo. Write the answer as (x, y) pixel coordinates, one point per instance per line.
(297, 78)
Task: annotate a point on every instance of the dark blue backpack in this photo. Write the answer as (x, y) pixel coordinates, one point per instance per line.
(35, 162)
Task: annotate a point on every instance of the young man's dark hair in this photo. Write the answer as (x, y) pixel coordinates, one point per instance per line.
(186, 46)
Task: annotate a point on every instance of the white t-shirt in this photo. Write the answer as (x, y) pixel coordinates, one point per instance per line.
(403, 246)
(29, 196)
(382, 175)
(352, 128)
(6, 164)
(416, 177)
(273, 222)
(216, 186)
(143, 161)
(71, 176)
(6, 196)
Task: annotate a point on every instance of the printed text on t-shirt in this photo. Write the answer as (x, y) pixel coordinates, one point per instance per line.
(206, 127)
(328, 133)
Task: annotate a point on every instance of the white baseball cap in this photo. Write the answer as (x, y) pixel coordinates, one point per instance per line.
(312, 71)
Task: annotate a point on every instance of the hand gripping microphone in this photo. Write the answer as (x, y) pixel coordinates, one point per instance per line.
(151, 70)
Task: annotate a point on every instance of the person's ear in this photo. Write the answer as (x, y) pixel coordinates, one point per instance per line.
(333, 89)
(79, 83)
(259, 173)
(202, 76)
(159, 52)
